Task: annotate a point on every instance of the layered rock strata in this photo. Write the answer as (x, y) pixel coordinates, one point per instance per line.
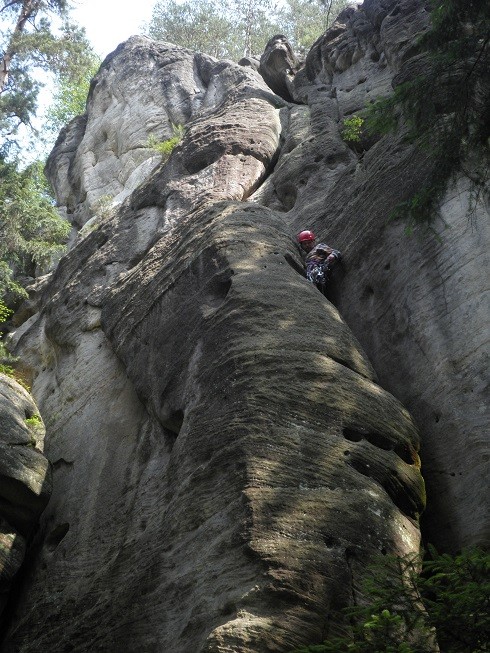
(225, 456)
(214, 468)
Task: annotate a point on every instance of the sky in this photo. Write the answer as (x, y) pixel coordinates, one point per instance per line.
(108, 23)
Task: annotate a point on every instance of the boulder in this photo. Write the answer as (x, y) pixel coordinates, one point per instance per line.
(25, 477)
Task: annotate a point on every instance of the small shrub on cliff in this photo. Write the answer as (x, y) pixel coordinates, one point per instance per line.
(405, 610)
(352, 127)
(165, 148)
(33, 422)
(5, 312)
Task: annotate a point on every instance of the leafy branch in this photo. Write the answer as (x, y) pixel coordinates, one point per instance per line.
(408, 603)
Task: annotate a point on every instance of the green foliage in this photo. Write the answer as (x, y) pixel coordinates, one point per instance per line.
(32, 51)
(233, 30)
(71, 95)
(408, 603)
(5, 313)
(380, 633)
(352, 129)
(8, 370)
(33, 422)
(303, 21)
(165, 148)
(456, 595)
(202, 26)
(446, 110)
(253, 24)
(7, 366)
(31, 231)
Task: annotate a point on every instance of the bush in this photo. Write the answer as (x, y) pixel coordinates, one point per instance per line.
(352, 129)
(5, 312)
(165, 148)
(406, 611)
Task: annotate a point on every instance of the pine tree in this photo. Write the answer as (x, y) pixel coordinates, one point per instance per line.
(37, 42)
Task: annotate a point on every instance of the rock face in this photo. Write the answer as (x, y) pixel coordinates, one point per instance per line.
(419, 305)
(278, 66)
(25, 477)
(226, 461)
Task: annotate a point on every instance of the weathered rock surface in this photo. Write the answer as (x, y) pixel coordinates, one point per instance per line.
(278, 65)
(226, 460)
(419, 305)
(25, 477)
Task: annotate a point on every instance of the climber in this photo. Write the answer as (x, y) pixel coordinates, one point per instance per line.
(319, 259)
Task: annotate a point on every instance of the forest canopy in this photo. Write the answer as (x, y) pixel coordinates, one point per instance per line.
(236, 29)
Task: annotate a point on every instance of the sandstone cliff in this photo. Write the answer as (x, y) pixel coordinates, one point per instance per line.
(225, 458)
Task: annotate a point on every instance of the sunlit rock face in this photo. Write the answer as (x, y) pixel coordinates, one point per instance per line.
(226, 460)
(222, 437)
(25, 477)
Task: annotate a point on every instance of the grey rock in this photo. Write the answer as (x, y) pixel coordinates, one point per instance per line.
(226, 460)
(25, 477)
(239, 455)
(278, 65)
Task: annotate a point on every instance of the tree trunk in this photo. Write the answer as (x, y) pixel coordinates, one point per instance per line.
(29, 10)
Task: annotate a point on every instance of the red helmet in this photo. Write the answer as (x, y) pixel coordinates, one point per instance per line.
(304, 236)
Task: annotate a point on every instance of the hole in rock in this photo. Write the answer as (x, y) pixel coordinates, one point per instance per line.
(205, 158)
(217, 292)
(174, 422)
(56, 535)
(404, 452)
(353, 436)
(361, 467)
(288, 196)
(61, 463)
(350, 553)
(403, 502)
(387, 266)
(342, 362)
(330, 541)
(228, 609)
(379, 441)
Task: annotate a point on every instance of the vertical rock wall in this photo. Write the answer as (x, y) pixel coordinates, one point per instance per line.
(419, 305)
(226, 458)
